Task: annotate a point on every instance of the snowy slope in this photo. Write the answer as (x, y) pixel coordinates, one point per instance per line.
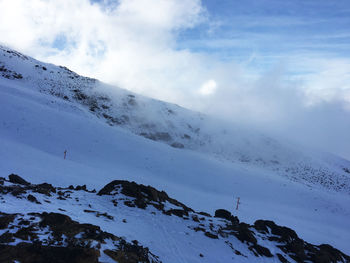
(176, 126)
(46, 109)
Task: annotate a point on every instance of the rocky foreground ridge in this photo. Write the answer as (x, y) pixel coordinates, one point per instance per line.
(45, 236)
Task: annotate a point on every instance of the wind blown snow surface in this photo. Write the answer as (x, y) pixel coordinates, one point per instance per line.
(110, 133)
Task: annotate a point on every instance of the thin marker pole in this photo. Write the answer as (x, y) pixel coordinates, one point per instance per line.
(238, 202)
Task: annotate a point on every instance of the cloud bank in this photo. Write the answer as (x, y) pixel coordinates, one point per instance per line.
(141, 45)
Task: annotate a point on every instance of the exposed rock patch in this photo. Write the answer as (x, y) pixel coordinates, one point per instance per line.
(144, 196)
(57, 238)
(14, 178)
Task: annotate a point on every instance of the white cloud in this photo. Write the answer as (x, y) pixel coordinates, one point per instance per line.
(130, 43)
(208, 87)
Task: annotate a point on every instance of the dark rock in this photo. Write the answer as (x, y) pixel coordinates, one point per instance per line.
(35, 253)
(98, 214)
(204, 214)
(17, 191)
(144, 195)
(44, 188)
(80, 187)
(79, 95)
(162, 136)
(33, 199)
(129, 203)
(158, 136)
(222, 213)
(296, 248)
(177, 212)
(129, 253)
(284, 234)
(244, 234)
(211, 235)
(6, 219)
(26, 233)
(55, 220)
(327, 253)
(89, 211)
(199, 229)
(260, 250)
(74, 248)
(113, 120)
(261, 226)
(24, 223)
(132, 102)
(14, 178)
(282, 258)
(141, 203)
(177, 145)
(195, 218)
(7, 237)
(186, 136)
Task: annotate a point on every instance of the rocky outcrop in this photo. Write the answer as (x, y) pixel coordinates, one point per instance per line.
(54, 237)
(36, 253)
(222, 213)
(144, 196)
(296, 248)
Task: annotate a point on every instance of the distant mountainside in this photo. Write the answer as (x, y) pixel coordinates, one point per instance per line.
(65, 129)
(176, 126)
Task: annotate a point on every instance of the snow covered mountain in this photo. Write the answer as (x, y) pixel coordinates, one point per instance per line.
(176, 126)
(110, 133)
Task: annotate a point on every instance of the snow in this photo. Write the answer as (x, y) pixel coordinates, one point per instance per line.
(36, 128)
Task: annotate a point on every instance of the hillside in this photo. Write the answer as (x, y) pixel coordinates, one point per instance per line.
(110, 133)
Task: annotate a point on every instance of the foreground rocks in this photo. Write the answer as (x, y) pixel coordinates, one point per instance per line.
(55, 237)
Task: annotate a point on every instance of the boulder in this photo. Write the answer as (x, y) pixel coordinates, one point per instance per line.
(222, 213)
(14, 178)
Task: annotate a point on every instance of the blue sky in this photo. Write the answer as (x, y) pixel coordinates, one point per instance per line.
(269, 31)
(283, 66)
